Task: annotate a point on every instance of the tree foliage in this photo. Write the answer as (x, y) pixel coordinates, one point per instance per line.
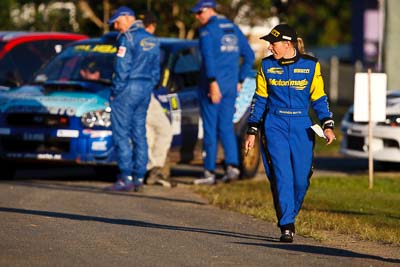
(319, 22)
(5, 19)
(175, 17)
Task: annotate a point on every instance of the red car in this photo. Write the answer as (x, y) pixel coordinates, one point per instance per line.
(23, 53)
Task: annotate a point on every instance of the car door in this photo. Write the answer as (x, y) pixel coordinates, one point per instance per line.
(181, 77)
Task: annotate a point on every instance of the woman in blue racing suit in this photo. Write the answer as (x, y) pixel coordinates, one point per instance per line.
(288, 83)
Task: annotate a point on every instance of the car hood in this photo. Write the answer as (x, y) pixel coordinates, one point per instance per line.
(36, 99)
(392, 104)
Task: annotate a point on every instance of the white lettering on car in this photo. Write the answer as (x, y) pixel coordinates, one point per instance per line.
(5, 131)
(99, 146)
(49, 156)
(69, 111)
(67, 133)
(33, 137)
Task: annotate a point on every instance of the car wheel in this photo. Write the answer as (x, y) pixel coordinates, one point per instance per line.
(249, 163)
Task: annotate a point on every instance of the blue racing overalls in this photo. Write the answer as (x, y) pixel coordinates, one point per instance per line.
(137, 71)
(222, 45)
(284, 93)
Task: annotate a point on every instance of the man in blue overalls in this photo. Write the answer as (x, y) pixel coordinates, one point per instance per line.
(222, 45)
(137, 71)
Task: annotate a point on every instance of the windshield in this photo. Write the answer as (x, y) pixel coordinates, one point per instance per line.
(9, 74)
(91, 62)
(84, 62)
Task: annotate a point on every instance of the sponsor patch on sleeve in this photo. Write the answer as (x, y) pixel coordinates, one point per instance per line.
(121, 51)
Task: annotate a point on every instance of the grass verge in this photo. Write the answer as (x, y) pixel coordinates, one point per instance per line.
(342, 205)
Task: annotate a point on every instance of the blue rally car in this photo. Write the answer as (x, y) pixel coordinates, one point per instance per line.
(63, 117)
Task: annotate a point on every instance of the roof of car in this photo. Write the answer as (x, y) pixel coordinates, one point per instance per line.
(169, 43)
(8, 36)
(14, 38)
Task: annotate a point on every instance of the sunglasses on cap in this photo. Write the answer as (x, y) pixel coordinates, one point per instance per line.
(201, 11)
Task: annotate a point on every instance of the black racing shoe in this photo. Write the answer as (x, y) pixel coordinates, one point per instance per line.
(287, 236)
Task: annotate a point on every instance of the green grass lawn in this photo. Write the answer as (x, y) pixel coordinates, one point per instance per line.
(342, 205)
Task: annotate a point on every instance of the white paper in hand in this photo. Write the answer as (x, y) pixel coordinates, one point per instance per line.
(318, 130)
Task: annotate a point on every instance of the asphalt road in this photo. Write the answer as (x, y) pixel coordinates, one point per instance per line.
(64, 218)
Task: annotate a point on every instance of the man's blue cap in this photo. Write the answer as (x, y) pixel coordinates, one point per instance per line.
(121, 11)
(202, 4)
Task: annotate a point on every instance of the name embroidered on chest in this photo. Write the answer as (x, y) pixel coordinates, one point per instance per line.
(296, 84)
(287, 112)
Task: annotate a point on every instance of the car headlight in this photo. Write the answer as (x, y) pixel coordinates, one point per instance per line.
(100, 118)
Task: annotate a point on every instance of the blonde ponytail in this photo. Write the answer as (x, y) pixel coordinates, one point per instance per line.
(300, 46)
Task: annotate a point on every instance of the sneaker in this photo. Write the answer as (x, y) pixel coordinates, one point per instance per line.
(232, 173)
(121, 185)
(208, 179)
(287, 236)
(153, 176)
(138, 185)
(166, 181)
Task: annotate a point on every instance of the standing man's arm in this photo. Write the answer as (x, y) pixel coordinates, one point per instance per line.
(155, 70)
(206, 48)
(123, 65)
(247, 55)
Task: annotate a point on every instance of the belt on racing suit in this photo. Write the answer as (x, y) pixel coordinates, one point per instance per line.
(296, 112)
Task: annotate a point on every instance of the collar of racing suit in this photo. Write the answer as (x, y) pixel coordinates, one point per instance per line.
(288, 61)
(138, 24)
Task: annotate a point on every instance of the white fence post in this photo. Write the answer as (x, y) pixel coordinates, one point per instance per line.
(334, 81)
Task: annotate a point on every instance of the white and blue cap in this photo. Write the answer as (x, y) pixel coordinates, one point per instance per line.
(202, 4)
(121, 11)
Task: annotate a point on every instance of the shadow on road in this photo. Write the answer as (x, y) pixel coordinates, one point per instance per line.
(271, 242)
(95, 190)
(335, 252)
(136, 223)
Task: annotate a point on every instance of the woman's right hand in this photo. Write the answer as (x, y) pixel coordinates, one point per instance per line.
(249, 144)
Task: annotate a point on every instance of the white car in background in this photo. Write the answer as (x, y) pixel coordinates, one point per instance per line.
(386, 135)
